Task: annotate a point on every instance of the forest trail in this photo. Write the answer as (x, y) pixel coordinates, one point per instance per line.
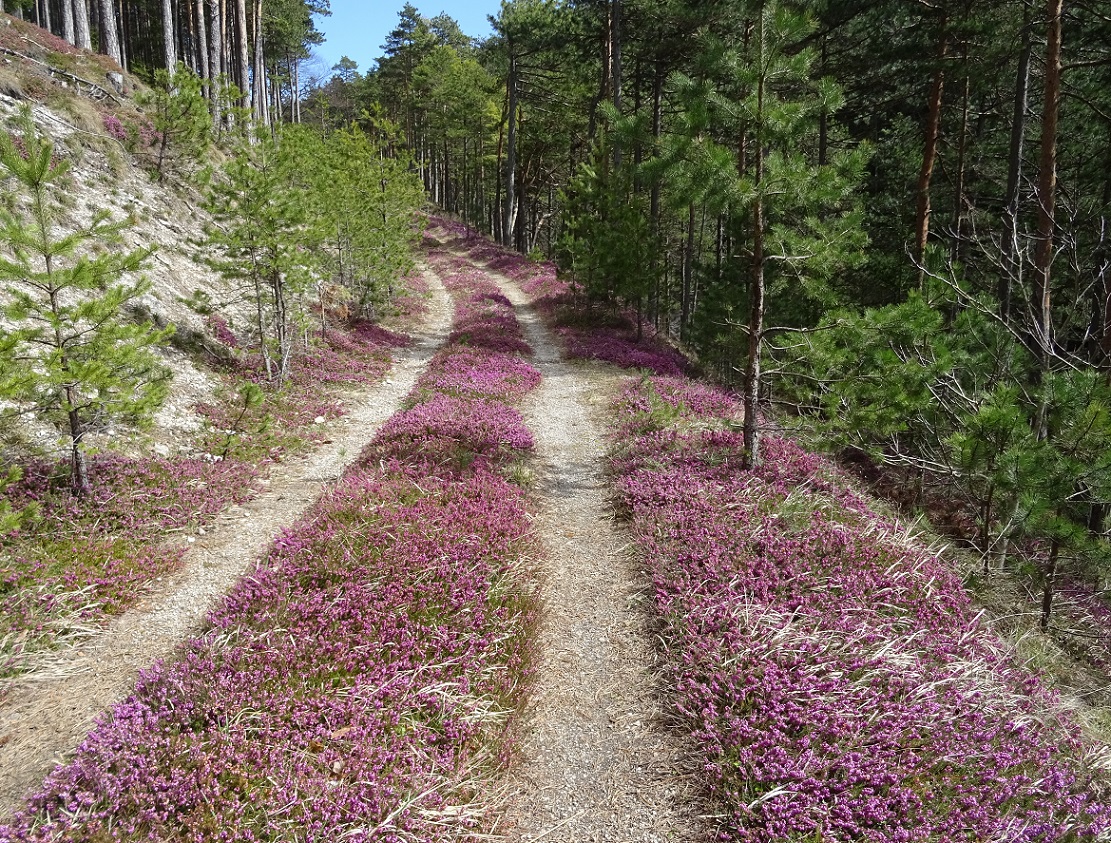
(597, 762)
(51, 710)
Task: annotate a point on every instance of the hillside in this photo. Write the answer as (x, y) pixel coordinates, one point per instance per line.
(108, 177)
(430, 540)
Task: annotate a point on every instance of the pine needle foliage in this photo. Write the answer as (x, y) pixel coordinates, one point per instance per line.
(74, 356)
(253, 240)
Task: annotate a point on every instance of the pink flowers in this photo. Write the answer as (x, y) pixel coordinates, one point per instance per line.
(115, 127)
(834, 675)
(87, 558)
(358, 684)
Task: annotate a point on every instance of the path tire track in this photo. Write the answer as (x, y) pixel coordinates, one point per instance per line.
(597, 761)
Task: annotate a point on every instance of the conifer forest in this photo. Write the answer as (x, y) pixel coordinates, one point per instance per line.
(650, 420)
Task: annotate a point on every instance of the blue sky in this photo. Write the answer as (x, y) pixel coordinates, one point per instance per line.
(358, 28)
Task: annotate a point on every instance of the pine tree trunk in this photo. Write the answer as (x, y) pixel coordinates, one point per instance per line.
(127, 45)
(956, 247)
(929, 156)
(109, 32)
(169, 42)
(1010, 270)
(79, 471)
(281, 326)
(756, 299)
(509, 214)
(202, 47)
(82, 33)
(688, 274)
(242, 67)
(1047, 185)
(615, 22)
(215, 53)
(260, 323)
(1049, 574)
(261, 102)
(67, 21)
(295, 84)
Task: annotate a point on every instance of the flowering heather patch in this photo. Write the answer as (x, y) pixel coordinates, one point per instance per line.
(358, 684)
(609, 341)
(469, 372)
(617, 346)
(451, 228)
(834, 675)
(446, 429)
(353, 687)
(222, 331)
(85, 557)
(483, 315)
(545, 287)
(115, 127)
(282, 421)
(1086, 607)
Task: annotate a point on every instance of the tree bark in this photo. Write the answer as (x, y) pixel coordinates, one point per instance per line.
(1047, 184)
(261, 102)
(67, 21)
(615, 53)
(956, 249)
(82, 33)
(509, 214)
(756, 294)
(1050, 571)
(109, 32)
(202, 46)
(1010, 269)
(242, 68)
(929, 155)
(169, 42)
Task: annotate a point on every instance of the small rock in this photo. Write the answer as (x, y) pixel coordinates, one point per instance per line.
(190, 539)
(319, 420)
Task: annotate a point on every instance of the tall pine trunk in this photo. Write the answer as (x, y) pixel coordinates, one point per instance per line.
(109, 32)
(509, 212)
(929, 155)
(242, 68)
(169, 42)
(67, 22)
(201, 35)
(1010, 269)
(757, 288)
(1047, 185)
(82, 34)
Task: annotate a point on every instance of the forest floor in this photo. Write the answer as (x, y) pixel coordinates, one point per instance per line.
(49, 711)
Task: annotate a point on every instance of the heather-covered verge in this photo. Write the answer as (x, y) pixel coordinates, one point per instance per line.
(834, 674)
(358, 684)
(587, 332)
(80, 559)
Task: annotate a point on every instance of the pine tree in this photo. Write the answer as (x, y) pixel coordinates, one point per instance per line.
(749, 122)
(180, 116)
(78, 360)
(256, 234)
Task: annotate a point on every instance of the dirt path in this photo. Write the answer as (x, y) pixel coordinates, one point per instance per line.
(50, 711)
(597, 762)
